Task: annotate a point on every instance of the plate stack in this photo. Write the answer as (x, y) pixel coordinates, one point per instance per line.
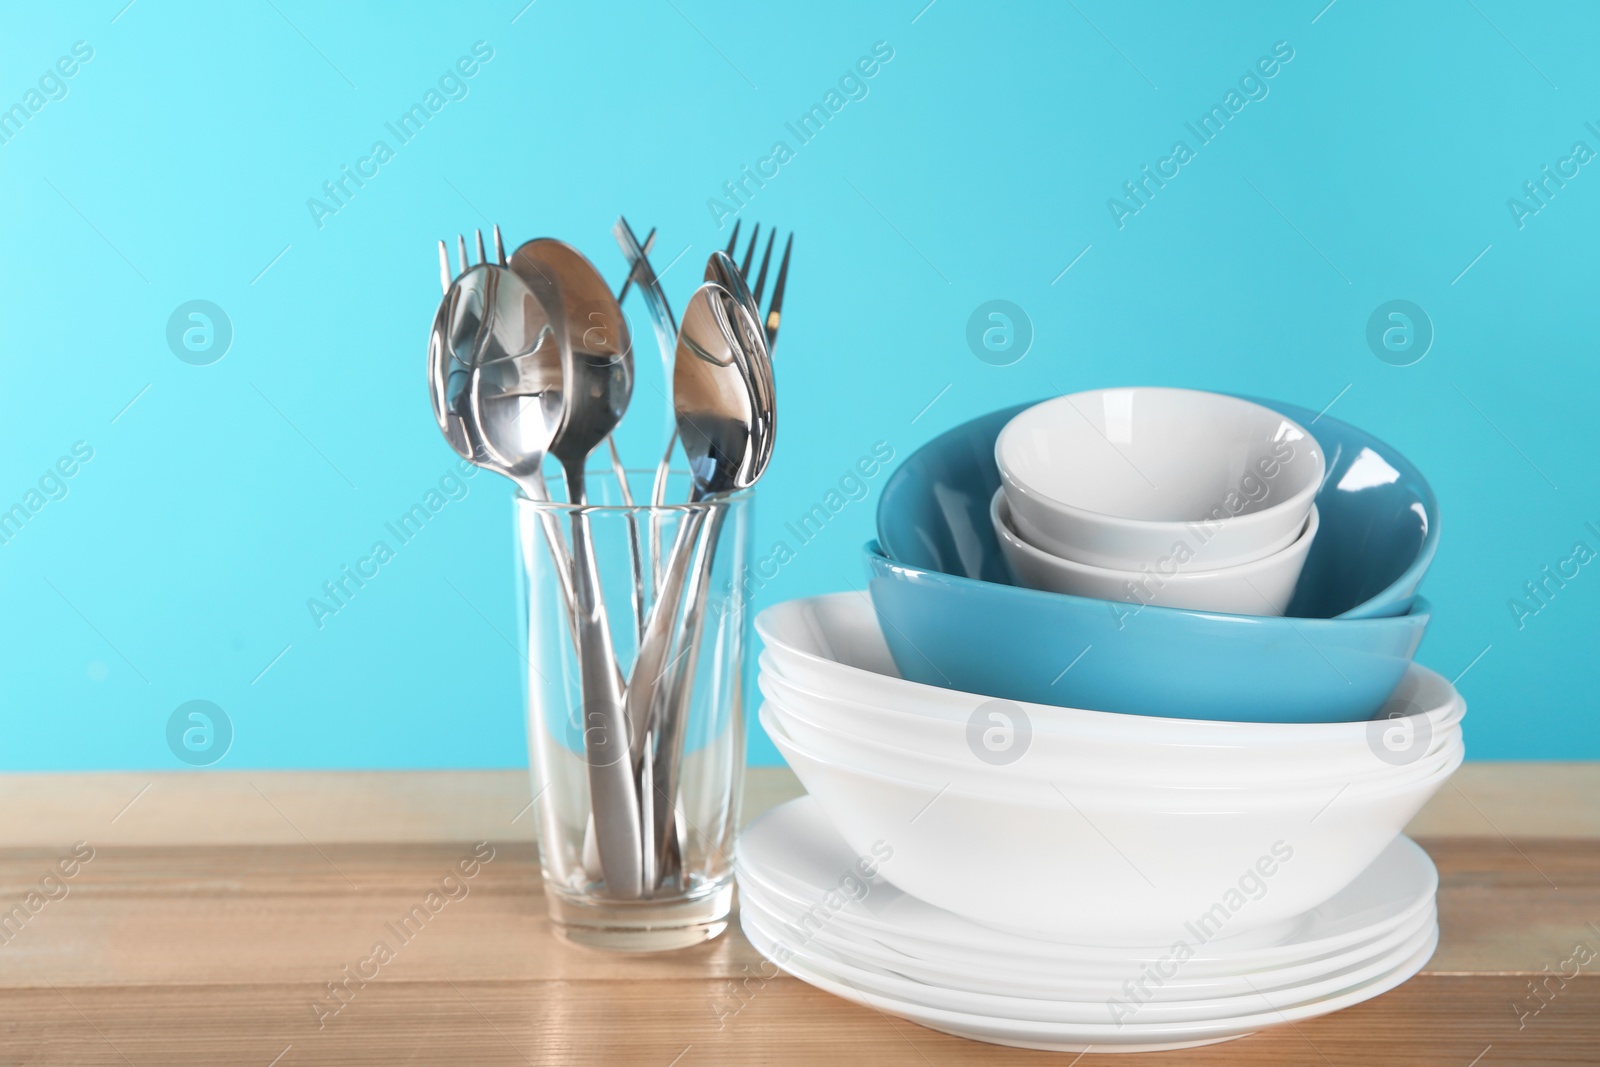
(806, 904)
(1185, 837)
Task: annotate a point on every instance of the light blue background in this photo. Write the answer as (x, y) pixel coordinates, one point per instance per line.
(978, 166)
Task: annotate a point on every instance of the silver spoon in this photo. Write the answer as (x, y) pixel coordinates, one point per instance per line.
(506, 333)
(596, 387)
(598, 337)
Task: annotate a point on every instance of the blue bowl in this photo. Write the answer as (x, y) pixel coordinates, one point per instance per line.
(952, 618)
(1004, 641)
(1379, 519)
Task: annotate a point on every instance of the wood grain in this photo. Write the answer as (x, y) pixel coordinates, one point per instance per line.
(291, 807)
(209, 924)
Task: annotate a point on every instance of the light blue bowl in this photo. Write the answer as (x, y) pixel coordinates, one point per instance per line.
(1379, 519)
(1050, 648)
(952, 618)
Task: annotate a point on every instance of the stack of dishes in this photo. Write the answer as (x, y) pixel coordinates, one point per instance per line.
(805, 904)
(955, 618)
(1174, 837)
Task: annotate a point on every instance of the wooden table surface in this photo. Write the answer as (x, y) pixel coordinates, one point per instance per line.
(206, 915)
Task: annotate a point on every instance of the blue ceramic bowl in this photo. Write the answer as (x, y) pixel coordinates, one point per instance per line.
(1380, 522)
(1050, 648)
(952, 618)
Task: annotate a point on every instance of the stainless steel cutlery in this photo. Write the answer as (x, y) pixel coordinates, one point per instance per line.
(530, 357)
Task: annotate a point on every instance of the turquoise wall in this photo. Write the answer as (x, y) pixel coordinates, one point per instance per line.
(179, 513)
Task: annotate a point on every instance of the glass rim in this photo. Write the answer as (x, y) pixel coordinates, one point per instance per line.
(521, 500)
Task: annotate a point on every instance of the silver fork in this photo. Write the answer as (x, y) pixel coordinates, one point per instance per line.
(770, 321)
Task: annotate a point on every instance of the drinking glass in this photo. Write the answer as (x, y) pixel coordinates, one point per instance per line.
(687, 884)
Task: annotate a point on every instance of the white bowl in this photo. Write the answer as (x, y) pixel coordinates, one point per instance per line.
(1109, 868)
(1073, 752)
(999, 758)
(1030, 778)
(831, 645)
(1118, 477)
(1261, 587)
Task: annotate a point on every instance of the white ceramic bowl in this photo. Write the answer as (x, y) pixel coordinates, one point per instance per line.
(997, 754)
(1110, 867)
(1037, 781)
(1117, 477)
(1260, 587)
(831, 646)
(1429, 714)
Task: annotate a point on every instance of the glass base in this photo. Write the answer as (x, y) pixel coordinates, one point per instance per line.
(642, 925)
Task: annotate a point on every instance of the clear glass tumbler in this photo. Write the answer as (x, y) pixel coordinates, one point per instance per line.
(605, 758)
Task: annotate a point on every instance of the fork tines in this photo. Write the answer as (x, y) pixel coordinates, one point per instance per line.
(775, 310)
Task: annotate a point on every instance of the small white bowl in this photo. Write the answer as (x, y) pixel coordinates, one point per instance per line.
(1261, 587)
(1116, 477)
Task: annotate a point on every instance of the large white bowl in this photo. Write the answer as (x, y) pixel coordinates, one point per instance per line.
(1260, 587)
(1036, 781)
(999, 771)
(1117, 477)
(1104, 867)
(1078, 752)
(831, 645)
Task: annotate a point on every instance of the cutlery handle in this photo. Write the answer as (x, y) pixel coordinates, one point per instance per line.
(613, 795)
(651, 662)
(670, 716)
(635, 550)
(535, 490)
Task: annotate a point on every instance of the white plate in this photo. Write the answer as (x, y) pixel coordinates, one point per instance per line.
(1094, 982)
(794, 850)
(1103, 1006)
(1081, 1037)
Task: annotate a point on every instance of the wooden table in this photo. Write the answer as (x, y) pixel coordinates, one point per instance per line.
(217, 909)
